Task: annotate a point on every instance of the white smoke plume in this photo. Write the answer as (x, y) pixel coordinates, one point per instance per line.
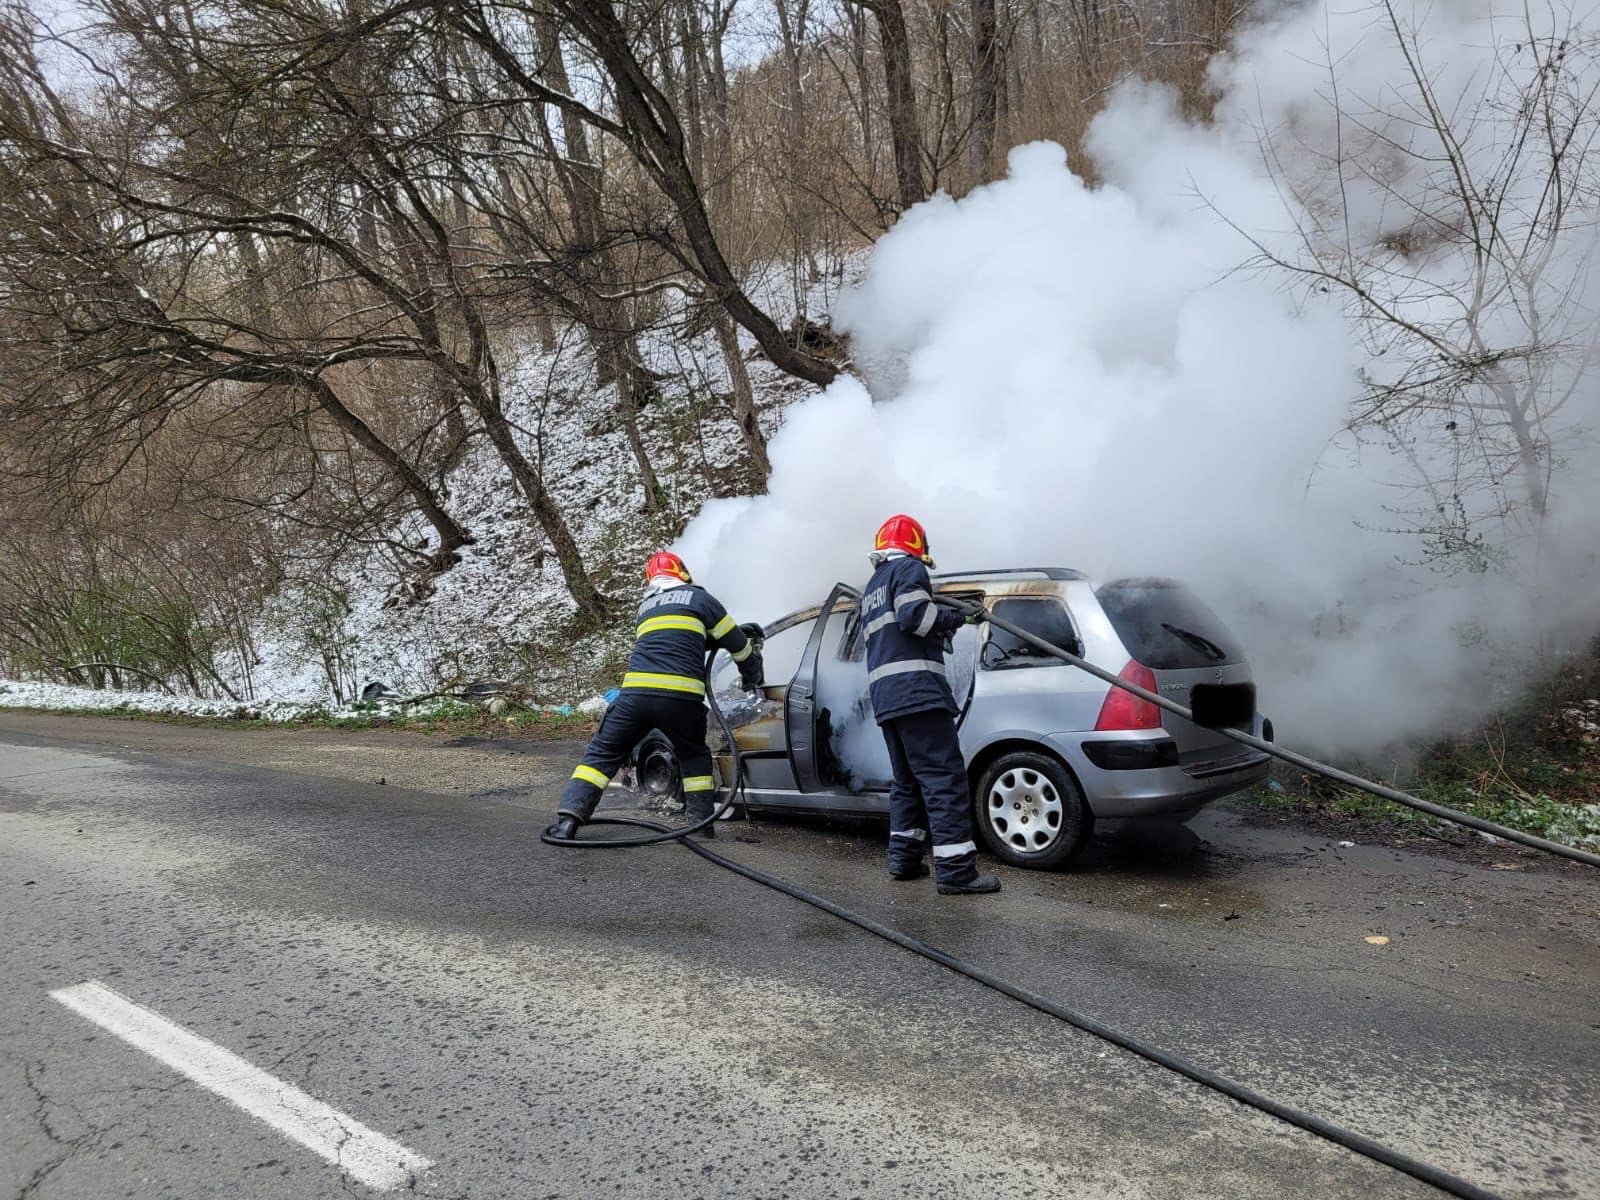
(1085, 375)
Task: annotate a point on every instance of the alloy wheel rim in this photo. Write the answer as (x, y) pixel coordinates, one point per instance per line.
(1024, 810)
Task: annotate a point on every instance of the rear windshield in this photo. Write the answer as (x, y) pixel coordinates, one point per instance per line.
(1165, 626)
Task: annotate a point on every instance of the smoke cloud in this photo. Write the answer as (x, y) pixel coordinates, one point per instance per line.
(1058, 372)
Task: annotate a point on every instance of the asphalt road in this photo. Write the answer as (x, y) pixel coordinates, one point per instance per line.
(533, 1022)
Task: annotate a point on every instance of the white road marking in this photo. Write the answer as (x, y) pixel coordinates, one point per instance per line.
(365, 1155)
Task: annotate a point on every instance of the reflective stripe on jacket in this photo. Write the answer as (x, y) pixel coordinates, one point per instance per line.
(905, 640)
(676, 624)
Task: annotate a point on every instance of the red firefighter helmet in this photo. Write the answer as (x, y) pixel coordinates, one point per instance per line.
(665, 562)
(901, 532)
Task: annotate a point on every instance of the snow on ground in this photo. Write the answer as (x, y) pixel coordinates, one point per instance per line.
(30, 694)
(27, 694)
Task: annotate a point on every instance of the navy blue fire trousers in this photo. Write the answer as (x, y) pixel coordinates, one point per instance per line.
(636, 713)
(930, 796)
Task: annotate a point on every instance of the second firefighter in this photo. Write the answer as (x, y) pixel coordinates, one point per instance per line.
(664, 689)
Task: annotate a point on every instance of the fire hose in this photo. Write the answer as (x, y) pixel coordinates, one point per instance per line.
(1309, 1122)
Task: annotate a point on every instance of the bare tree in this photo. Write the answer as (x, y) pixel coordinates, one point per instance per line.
(602, 316)
(648, 127)
(1472, 289)
(905, 128)
(987, 85)
(371, 220)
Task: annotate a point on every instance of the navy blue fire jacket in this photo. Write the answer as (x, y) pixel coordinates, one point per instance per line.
(906, 632)
(676, 623)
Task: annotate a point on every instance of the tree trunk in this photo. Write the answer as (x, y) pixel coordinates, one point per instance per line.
(904, 129)
(791, 31)
(1530, 452)
(693, 91)
(544, 330)
(591, 604)
(985, 88)
(451, 535)
(945, 91)
(1009, 98)
(625, 370)
(721, 131)
(658, 145)
(744, 400)
(605, 322)
(858, 62)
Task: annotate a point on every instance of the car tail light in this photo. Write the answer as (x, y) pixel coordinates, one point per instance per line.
(1124, 710)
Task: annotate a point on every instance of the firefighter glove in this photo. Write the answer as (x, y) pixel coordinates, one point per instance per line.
(750, 673)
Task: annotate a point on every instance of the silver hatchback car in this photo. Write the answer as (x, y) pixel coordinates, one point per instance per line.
(1049, 749)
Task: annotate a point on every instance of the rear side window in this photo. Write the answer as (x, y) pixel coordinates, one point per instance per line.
(1165, 626)
(1041, 617)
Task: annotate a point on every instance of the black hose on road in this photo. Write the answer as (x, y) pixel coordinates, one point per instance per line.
(1327, 1130)
(667, 833)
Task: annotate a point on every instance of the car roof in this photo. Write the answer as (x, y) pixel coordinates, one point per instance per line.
(1010, 580)
(1014, 573)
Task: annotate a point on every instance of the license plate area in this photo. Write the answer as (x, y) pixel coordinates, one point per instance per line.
(1223, 705)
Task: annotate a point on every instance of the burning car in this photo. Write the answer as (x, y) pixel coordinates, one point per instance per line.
(1049, 749)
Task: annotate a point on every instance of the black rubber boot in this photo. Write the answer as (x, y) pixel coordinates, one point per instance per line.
(697, 807)
(566, 827)
(978, 885)
(917, 871)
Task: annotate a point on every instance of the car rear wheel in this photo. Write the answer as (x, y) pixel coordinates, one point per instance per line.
(1030, 812)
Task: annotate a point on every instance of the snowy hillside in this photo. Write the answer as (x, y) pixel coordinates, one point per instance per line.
(504, 612)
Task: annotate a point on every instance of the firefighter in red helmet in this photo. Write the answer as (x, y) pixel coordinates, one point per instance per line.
(664, 689)
(906, 634)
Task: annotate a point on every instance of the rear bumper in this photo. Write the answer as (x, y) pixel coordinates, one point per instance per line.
(1157, 791)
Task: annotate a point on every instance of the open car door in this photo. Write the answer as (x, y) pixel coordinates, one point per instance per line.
(807, 730)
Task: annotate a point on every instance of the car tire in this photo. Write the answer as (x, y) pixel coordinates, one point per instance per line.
(657, 775)
(1029, 811)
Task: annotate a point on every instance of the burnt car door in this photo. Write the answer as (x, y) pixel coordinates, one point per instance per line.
(806, 718)
(858, 762)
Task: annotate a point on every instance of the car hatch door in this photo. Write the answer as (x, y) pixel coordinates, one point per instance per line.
(808, 740)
